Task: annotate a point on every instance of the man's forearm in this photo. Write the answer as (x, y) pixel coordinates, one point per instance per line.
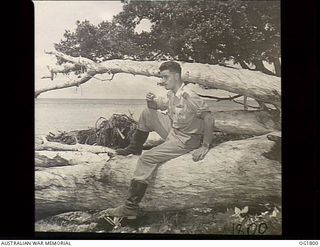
(208, 129)
(201, 152)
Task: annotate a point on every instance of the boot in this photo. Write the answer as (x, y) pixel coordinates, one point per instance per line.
(136, 144)
(131, 207)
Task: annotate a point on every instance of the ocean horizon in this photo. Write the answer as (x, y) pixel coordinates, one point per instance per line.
(67, 114)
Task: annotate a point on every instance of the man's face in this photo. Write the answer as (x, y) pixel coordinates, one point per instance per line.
(169, 79)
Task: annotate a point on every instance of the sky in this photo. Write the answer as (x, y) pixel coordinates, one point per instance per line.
(52, 18)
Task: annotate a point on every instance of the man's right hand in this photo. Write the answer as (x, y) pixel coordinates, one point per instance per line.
(150, 96)
(151, 103)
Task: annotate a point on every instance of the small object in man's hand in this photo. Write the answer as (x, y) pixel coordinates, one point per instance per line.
(152, 104)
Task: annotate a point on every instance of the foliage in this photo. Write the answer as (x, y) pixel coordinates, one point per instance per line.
(209, 31)
(107, 40)
(265, 221)
(248, 32)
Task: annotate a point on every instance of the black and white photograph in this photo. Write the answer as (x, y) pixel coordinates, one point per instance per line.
(158, 117)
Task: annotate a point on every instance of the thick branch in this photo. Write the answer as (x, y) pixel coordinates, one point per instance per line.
(249, 83)
(253, 84)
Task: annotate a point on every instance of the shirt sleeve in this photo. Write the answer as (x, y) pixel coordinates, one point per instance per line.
(196, 103)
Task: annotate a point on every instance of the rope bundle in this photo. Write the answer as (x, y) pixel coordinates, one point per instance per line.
(115, 133)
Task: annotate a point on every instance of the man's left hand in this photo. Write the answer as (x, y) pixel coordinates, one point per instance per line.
(200, 153)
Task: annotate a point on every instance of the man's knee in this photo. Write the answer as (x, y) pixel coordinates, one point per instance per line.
(147, 158)
(145, 120)
(147, 113)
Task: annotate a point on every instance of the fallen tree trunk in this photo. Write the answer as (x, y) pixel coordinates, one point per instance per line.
(45, 158)
(232, 173)
(253, 84)
(45, 145)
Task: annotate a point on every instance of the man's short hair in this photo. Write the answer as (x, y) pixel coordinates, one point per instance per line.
(171, 66)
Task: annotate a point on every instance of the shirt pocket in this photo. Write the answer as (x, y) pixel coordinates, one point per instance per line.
(184, 115)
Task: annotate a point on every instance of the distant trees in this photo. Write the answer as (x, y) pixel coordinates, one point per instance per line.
(247, 32)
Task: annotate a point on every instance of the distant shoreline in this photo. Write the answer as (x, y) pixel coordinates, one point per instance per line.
(93, 98)
(110, 99)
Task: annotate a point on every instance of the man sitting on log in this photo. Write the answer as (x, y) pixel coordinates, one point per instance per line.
(187, 123)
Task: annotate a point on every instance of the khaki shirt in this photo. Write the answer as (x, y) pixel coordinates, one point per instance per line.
(186, 111)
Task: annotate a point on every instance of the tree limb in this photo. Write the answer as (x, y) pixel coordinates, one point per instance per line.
(46, 77)
(230, 98)
(85, 77)
(110, 79)
(249, 83)
(238, 102)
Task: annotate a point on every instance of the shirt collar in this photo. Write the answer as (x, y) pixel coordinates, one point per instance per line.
(180, 90)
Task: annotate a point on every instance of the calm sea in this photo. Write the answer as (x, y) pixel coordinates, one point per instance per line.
(76, 114)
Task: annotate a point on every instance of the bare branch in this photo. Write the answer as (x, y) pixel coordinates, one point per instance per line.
(156, 55)
(86, 77)
(245, 103)
(110, 79)
(262, 105)
(254, 107)
(131, 114)
(220, 98)
(46, 77)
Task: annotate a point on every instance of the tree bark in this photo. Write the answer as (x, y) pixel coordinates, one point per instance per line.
(45, 145)
(232, 173)
(247, 122)
(253, 84)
